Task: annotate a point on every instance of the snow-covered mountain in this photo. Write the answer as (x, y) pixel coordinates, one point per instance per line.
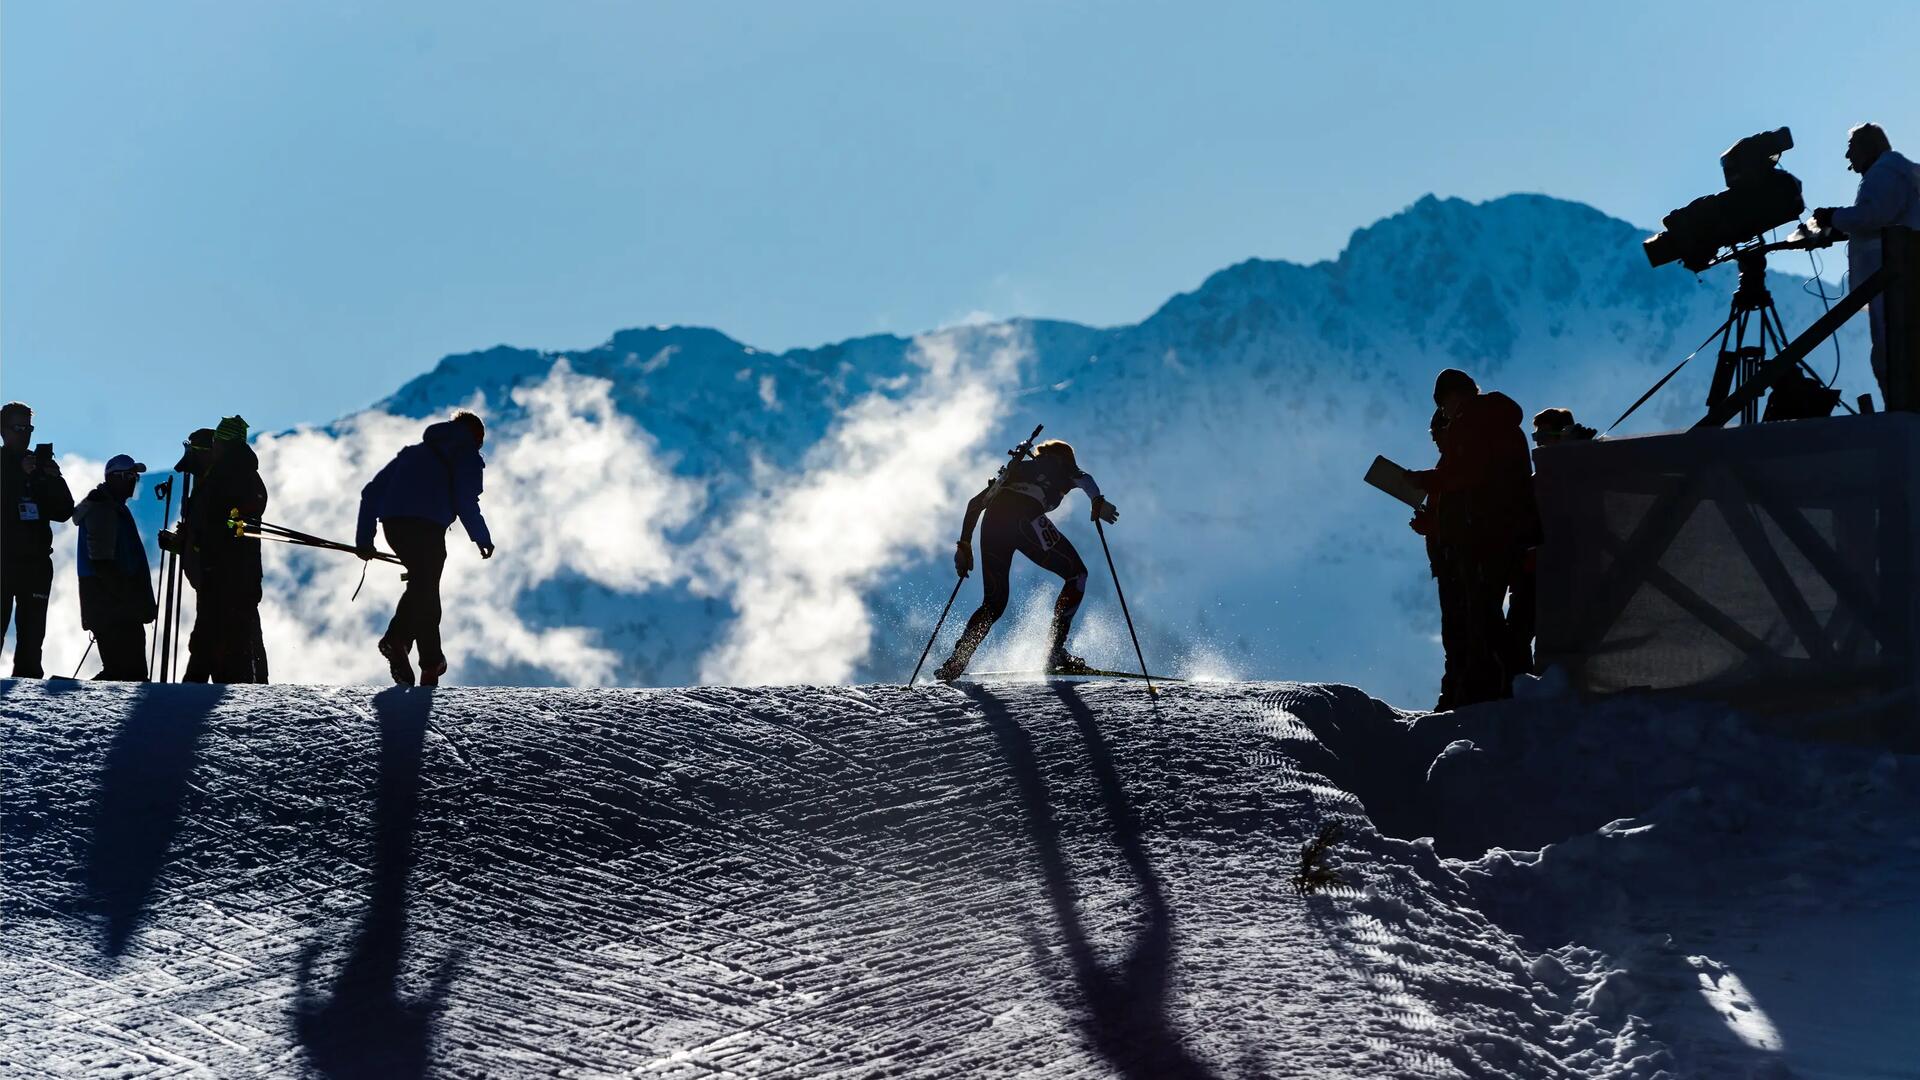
(1231, 426)
(677, 506)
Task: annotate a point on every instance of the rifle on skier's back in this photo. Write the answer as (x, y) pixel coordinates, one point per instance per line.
(1018, 453)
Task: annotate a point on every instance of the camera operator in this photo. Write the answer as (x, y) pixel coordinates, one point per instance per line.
(33, 495)
(1889, 195)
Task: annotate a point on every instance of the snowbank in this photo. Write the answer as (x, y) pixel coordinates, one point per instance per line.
(862, 880)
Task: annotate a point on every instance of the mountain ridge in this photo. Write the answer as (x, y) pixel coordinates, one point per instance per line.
(677, 506)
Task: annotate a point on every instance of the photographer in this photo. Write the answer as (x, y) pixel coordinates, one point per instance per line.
(1889, 195)
(33, 495)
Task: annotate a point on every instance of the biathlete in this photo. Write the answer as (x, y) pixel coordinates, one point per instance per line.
(1016, 508)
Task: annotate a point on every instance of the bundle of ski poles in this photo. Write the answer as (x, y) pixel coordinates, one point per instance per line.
(243, 526)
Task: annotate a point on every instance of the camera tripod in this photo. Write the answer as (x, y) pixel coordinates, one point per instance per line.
(1752, 312)
(1752, 333)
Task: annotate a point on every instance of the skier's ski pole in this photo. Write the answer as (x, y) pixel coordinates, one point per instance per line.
(83, 657)
(324, 545)
(936, 629)
(1121, 593)
(179, 593)
(165, 490)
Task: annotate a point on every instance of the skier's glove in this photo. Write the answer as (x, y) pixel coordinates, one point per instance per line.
(365, 553)
(486, 551)
(1103, 510)
(963, 558)
(1422, 523)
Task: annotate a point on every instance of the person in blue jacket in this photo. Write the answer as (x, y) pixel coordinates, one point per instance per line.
(116, 591)
(415, 499)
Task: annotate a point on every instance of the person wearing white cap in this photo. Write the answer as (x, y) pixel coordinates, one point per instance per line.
(116, 589)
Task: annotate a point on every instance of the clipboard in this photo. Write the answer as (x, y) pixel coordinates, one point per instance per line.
(1393, 480)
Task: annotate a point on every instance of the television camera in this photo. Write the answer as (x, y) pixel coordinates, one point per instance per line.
(1730, 226)
(1760, 195)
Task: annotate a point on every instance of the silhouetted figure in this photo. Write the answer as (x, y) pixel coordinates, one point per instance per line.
(1481, 510)
(226, 644)
(1446, 578)
(193, 463)
(1889, 195)
(1016, 520)
(33, 495)
(1549, 426)
(415, 499)
(116, 591)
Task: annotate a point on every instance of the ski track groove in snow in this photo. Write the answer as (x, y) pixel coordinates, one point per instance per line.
(1048, 880)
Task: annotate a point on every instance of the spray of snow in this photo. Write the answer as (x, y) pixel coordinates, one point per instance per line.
(875, 494)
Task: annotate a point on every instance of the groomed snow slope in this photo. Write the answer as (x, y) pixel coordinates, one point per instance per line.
(1047, 880)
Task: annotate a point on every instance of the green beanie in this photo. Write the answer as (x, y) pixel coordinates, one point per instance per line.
(231, 429)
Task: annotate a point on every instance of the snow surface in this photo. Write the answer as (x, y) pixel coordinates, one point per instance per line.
(1040, 879)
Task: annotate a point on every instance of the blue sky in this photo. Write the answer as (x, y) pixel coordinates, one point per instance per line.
(286, 209)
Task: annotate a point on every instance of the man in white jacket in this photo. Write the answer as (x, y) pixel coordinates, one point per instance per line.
(1889, 195)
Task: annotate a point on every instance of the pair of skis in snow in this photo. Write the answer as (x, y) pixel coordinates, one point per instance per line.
(1085, 673)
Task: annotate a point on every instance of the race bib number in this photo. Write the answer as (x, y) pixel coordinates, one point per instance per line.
(29, 510)
(1049, 536)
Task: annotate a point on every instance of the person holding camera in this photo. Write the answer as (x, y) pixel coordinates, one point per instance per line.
(116, 584)
(1889, 195)
(33, 495)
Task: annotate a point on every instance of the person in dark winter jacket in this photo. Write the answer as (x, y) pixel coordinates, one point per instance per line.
(415, 500)
(33, 495)
(1482, 513)
(226, 645)
(1016, 520)
(1550, 426)
(116, 589)
(1446, 576)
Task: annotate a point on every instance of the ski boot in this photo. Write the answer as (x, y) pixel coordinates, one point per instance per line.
(1062, 662)
(397, 663)
(430, 671)
(951, 670)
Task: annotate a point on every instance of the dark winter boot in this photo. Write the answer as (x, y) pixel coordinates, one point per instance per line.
(397, 662)
(951, 670)
(1062, 662)
(431, 670)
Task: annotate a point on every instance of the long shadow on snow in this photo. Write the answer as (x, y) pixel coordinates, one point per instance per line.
(142, 798)
(365, 1027)
(1125, 1004)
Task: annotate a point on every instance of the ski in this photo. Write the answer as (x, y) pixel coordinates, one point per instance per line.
(1088, 673)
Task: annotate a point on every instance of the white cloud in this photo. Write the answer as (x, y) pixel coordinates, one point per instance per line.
(880, 490)
(573, 488)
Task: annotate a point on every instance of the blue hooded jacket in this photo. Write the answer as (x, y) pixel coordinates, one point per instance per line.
(436, 479)
(116, 586)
